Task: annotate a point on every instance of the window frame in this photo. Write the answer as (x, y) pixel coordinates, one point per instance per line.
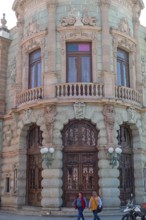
(123, 63)
(34, 63)
(79, 56)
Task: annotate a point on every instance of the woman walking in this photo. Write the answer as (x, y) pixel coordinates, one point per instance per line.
(94, 202)
(80, 203)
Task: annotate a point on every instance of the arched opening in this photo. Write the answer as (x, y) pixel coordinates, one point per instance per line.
(80, 160)
(34, 166)
(126, 167)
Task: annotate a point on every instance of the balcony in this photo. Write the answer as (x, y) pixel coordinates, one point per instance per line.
(29, 95)
(128, 94)
(80, 90)
(87, 91)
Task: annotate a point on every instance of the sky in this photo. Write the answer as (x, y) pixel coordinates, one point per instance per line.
(6, 7)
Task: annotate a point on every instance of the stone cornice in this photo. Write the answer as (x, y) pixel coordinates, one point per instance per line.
(33, 36)
(115, 32)
(79, 28)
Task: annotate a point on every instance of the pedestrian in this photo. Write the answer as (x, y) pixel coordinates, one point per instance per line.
(80, 203)
(95, 201)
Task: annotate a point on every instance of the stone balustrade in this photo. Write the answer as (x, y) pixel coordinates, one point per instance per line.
(74, 90)
(80, 90)
(29, 95)
(126, 93)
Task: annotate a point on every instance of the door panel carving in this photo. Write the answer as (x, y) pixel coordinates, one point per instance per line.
(34, 166)
(80, 171)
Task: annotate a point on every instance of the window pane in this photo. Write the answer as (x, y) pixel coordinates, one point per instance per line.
(123, 68)
(119, 82)
(84, 47)
(72, 69)
(35, 55)
(72, 47)
(123, 55)
(32, 77)
(35, 69)
(39, 75)
(125, 75)
(85, 65)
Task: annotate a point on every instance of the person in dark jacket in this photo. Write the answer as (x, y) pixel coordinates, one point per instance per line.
(80, 203)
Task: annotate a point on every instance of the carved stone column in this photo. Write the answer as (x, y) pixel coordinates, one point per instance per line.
(104, 5)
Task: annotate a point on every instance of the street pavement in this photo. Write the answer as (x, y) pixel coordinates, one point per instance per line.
(10, 216)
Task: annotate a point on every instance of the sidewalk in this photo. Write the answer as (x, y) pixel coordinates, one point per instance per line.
(10, 216)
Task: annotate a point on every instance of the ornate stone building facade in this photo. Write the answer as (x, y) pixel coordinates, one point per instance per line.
(72, 76)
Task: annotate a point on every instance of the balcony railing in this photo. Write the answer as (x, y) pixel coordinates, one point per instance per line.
(74, 90)
(29, 95)
(126, 93)
(80, 90)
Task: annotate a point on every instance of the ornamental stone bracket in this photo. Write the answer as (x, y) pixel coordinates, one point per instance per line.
(79, 110)
(49, 114)
(109, 118)
(78, 18)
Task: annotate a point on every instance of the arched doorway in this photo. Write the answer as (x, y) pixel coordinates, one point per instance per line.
(34, 166)
(80, 159)
(126, 164)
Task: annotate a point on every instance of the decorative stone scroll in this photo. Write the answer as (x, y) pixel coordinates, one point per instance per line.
(79, 109)
(87, 20)
(109, 118)
(70, 19)
(75, 18)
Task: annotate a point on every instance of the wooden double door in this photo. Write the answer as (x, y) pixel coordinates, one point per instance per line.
(34, 166)
(80, 175)
(80, 161)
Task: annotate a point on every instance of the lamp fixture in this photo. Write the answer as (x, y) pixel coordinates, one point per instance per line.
(114, 155)
(47, 155)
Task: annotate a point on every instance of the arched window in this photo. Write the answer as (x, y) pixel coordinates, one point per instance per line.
(123, 68)
(35, 69)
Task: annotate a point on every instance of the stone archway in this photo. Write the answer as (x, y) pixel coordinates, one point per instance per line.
(80, 160)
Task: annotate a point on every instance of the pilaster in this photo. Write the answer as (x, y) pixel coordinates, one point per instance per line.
(20, 25)
(136, 25)
(52, 35)
(104, 6)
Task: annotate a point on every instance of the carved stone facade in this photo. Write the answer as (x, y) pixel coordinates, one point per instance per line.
(50, 25)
